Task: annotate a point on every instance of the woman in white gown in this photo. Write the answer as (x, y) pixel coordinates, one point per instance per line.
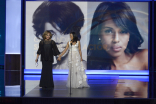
(78, 76)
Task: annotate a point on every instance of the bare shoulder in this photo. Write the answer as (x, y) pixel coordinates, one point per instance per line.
(142, 54)
(68, 42)
(78, 41)
(79, 44)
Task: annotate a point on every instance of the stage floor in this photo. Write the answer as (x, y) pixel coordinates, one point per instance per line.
(97, 90)
(100, 87)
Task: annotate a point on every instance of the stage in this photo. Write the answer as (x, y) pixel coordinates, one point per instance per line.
(101, 86)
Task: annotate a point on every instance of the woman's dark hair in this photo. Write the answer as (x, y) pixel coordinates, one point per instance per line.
(66, 15)
(75, 38)
(123, 17)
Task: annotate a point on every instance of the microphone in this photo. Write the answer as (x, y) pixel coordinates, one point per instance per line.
(71, 43)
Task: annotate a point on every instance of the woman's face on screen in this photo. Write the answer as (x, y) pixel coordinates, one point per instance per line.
(114, 39)
(58, 37)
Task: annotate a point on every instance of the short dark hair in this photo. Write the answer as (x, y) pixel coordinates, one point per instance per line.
(66, 15)
(123, 17)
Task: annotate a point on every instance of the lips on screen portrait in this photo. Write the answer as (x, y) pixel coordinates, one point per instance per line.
(60, 19)
(114, 39)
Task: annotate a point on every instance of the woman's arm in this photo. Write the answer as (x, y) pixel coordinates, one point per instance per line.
(38, 52)
(64, 51)
(37, 58)
(55, 49)
(80, 50)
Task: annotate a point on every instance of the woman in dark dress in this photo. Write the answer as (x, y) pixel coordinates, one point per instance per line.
(47, 49)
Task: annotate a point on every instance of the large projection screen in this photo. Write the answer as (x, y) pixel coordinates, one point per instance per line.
(98, 50)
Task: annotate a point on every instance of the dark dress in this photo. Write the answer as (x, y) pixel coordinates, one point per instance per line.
(47, 49)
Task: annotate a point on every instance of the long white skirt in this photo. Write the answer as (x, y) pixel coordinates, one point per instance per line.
(78, 75)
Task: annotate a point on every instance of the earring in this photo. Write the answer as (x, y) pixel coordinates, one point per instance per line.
(99, 38)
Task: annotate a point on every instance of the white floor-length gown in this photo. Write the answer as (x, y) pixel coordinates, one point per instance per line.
(78, 75)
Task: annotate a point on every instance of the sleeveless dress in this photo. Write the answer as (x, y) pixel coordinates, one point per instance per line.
(78, 76)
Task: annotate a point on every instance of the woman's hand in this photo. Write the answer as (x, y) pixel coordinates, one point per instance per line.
(59, 59)
(36, 60)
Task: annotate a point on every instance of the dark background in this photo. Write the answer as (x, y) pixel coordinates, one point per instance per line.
(2, 45)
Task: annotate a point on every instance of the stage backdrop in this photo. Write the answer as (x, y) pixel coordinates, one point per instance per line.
(89, 21)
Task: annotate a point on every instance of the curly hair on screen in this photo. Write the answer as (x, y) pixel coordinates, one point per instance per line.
(66, 15)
